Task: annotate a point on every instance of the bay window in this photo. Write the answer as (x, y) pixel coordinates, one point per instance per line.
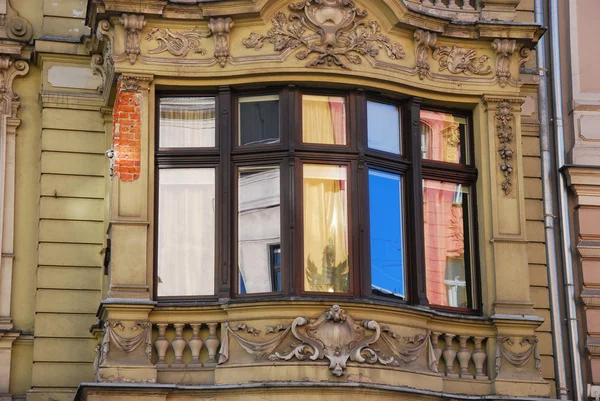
(315, 193)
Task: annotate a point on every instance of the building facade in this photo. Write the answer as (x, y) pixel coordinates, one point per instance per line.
(265, 199)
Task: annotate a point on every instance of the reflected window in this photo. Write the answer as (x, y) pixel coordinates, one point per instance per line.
(258, 120)
(324, 120)
(383, 121)
(187, 122)
(443, 137)
(186, 232)
(445, 208)
(258, 228)
(325, 189)
(387, 246)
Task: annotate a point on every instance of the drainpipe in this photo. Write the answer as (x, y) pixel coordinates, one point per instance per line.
(548, 202)
(563, 201)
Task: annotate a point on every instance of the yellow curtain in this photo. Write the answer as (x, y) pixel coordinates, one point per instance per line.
(323, 120)
(325, 228)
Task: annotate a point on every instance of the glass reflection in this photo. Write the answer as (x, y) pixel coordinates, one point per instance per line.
(186, 232)
(187, 122)
(325, 228)
(387, 246)
(258, 120)
(323, 119)
(259, 230)
(445, 209)
(442, 137)
(383, 121)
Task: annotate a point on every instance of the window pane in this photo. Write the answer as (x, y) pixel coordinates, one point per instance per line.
(445, 209)
(187, 122)
(325, 189)
(186, 232)
(258, 120)
(383, 122)
(323, 119)
(387, 246)
(258, 229)
(441, 137)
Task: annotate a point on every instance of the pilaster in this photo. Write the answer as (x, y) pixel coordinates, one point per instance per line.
(508, 242)
(129, 220)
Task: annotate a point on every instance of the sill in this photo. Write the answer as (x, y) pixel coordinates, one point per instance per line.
(401, 305)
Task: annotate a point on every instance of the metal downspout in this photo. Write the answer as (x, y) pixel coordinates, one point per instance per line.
(565, 226)
(549, 215)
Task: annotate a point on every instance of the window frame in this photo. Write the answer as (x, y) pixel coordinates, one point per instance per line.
(290, 154)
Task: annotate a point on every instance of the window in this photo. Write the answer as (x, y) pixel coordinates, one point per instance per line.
(294, 192)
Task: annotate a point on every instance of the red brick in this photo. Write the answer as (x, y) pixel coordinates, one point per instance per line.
(127, 134)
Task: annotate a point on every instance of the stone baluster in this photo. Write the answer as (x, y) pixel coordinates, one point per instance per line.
(479, 357)
(437, 351)
(440, 4)
(178, 345)
(464, 356)
(452, 5)
(467, 6)
(161, 344)
(427, 3)
(195, 345)
(212, 343)
(449, 355)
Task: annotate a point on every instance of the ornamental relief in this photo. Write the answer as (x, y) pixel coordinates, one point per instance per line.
(329, 32)
(334, 336)
(325, 33)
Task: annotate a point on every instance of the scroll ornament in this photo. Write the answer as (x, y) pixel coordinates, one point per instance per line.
(111, 336)
(133, 25)
(179, 44)
(518, 359)
(424, 42)
(504, 131)
(459, 60)
(332, 30)
(334, 336)
(504, 50)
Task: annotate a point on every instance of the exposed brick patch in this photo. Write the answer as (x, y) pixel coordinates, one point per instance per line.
(127, 129)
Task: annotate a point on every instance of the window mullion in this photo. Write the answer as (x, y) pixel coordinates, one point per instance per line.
(417, 276)
(224, 234)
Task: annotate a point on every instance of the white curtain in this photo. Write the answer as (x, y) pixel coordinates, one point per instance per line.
(187, 122)
(186, 232)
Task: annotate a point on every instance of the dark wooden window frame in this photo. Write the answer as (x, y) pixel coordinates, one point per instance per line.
(290, 153)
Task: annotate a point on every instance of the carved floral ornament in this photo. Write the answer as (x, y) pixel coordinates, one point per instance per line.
(504, 119)
(329, 32)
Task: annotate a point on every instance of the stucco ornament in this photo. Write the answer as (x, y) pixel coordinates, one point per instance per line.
(424, 42)
(133, 25)
(177, 43)
(459, 60)
(504, 50)
(125, 344)
(331, 30)
(335, 336)
(518, 359)
(504, 131)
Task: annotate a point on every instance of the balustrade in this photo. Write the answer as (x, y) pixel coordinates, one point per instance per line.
(464, 10)
(186, 344)
(469, 355)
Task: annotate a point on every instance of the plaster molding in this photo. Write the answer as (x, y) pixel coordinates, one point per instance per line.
(424, 43)
(517, 359)
(504, 49)
(459, 60)
(328, 34)
(133, 25)
(220, 28)
(179, 44)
